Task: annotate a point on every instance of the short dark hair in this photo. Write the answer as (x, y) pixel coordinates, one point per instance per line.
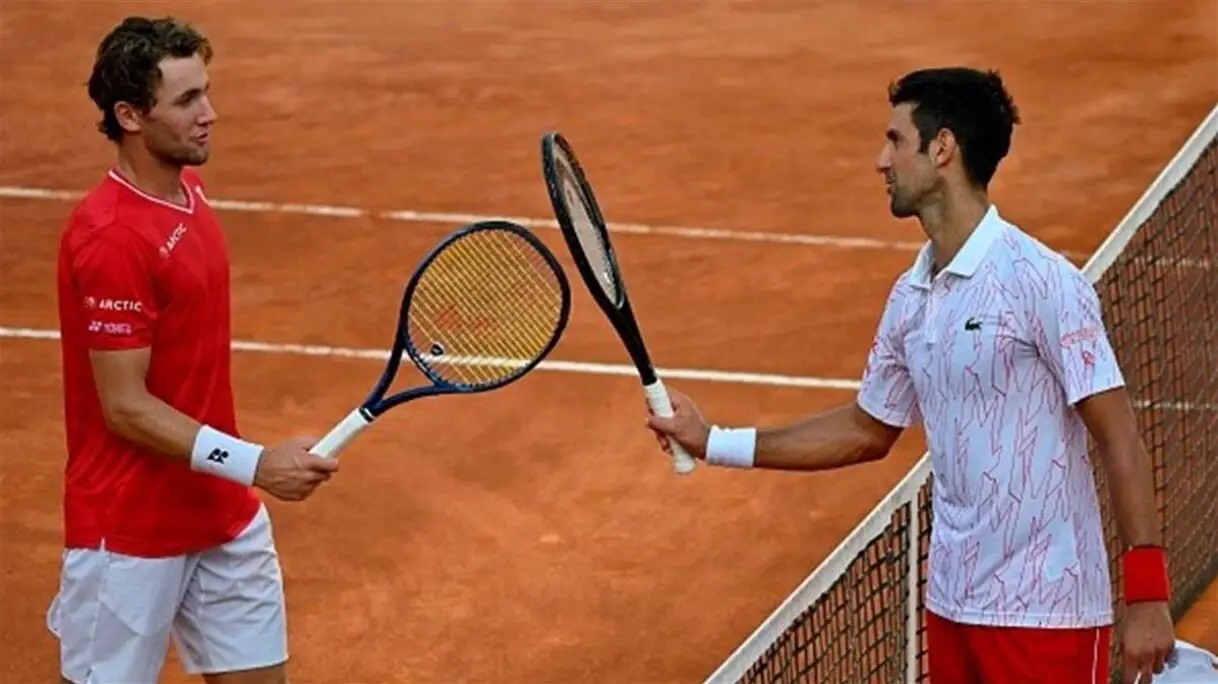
(974, 105)
(127, 66)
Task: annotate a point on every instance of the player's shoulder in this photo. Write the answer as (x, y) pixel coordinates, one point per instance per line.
(1043, 275)
(96, 209)
(903, 285)
(101, 216)
(899, 302)
(1030, 258)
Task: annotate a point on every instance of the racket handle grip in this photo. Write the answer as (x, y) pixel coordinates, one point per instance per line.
(661, 405)
(342, 434)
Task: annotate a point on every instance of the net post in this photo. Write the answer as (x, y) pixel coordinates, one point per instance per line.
(911, 587)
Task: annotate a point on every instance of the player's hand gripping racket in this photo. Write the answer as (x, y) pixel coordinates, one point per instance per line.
(583, 228)
(486, 305)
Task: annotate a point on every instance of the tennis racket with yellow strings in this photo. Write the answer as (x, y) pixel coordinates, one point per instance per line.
(484, 307)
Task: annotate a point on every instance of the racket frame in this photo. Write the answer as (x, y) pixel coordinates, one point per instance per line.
(377, 403)
(620, 313)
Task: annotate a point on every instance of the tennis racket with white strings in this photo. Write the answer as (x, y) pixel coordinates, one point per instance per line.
(583, 228)
(484, 307)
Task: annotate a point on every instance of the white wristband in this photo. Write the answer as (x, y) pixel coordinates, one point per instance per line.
(225, 456)
(732, 448)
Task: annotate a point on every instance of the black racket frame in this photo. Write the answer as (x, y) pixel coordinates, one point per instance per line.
(619, 312)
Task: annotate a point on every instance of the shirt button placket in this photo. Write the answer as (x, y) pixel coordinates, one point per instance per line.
(932, 313)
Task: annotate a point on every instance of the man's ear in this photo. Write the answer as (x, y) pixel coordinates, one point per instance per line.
(128, 116)
(943, 147)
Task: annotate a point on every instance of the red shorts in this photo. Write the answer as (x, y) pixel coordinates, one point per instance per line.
(973, 654)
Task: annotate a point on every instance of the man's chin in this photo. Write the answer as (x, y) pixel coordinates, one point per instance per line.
(197, 159)
(901, 211)
(187, 159)
(196, 155)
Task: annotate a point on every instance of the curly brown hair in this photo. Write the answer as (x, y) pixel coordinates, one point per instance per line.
(127, 66)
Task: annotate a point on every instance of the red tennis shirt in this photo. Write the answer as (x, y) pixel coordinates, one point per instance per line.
(137, 271)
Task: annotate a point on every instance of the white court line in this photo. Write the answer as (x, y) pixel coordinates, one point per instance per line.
(412, 216)
(586, 368)
(550, 365)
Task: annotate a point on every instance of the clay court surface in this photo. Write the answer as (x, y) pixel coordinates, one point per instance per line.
(537, 534)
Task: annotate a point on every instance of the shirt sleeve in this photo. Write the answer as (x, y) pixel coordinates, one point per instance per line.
(887, 391)
(114, 280)
(1069, 334)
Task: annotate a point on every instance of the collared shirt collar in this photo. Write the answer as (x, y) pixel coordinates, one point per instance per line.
(971, 254)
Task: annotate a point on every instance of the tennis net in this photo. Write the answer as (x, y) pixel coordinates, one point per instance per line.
(859, 618)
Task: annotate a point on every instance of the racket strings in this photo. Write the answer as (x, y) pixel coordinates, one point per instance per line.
(471, 349)
(476, 361)
(531, 320)
(532, 316)
(430, 329)
(460, 357)
(587, 232)
(485, 308)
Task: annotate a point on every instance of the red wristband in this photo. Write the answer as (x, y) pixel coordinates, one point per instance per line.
(1145, 574)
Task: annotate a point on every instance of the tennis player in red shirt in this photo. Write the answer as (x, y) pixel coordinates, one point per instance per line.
(164, 535)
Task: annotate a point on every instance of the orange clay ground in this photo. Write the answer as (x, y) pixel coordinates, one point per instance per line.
(536, 534)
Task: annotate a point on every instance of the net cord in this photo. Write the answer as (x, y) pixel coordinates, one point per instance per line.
(906, 492)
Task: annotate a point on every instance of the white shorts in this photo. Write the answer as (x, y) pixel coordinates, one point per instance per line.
(224, 608)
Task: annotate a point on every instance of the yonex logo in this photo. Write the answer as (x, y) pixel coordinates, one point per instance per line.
(110, 328)
(218, 456)
(973, 323)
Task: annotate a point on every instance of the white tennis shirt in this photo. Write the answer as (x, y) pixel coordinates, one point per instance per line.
(990, 356)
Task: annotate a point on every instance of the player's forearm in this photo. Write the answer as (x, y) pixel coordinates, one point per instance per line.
(149, 422)
(143, 419)
(1131, 485)
(833, 439)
